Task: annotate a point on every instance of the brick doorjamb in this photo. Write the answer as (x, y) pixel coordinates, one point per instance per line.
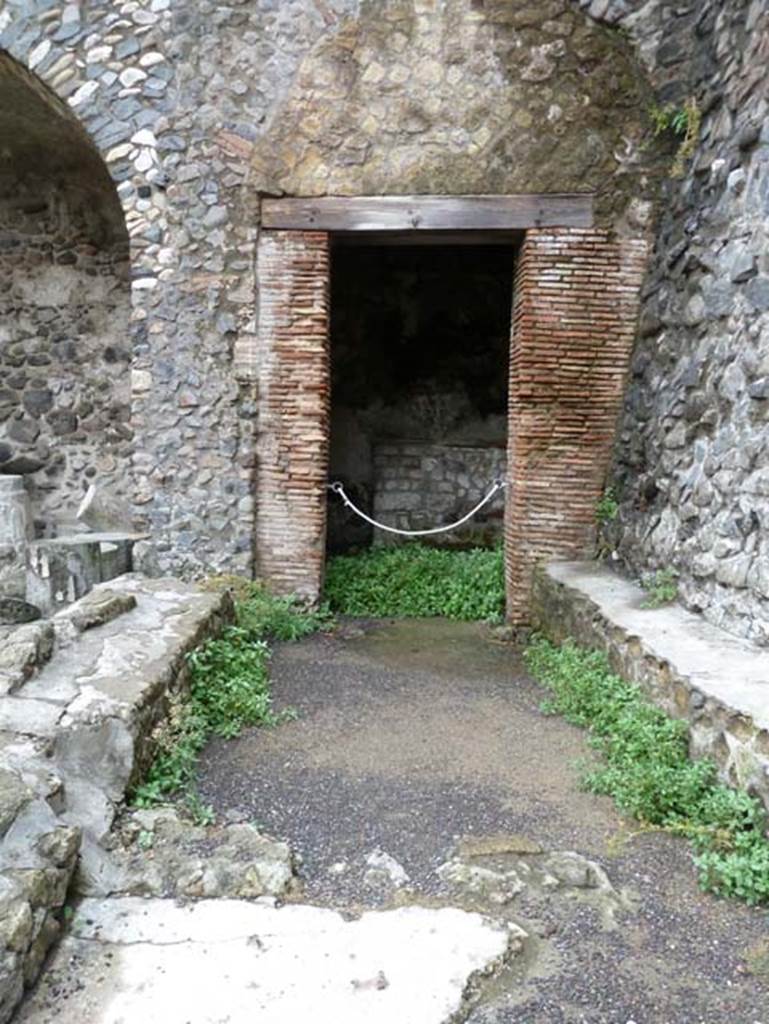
(575, 306)
(292, 426)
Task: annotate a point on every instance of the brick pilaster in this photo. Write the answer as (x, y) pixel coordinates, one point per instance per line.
(293, 416)
(574, 313)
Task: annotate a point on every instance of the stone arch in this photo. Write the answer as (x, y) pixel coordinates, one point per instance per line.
(483, 96)
(64, 258)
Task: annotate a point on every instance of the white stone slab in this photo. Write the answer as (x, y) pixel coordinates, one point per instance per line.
(238, 962)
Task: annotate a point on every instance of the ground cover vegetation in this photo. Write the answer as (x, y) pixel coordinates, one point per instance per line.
(414, 580)
(645, 766)
(229, 690)
(661, 588)
(607, 507)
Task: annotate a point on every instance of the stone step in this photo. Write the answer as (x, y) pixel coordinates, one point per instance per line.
(77, 727)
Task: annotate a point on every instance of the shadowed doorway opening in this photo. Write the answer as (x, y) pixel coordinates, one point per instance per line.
(420, 339)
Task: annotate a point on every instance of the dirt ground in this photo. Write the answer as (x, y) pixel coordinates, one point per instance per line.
(412, 736)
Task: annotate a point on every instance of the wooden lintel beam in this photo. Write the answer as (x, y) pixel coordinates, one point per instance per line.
(429, 213)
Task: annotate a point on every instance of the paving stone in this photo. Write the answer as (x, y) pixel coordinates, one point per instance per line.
(168, 960)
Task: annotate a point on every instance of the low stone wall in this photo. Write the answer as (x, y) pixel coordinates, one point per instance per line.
(717, 683)
(81, 697)
(420, 485)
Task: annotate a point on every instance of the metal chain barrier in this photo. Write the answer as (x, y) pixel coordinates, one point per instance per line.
(496, 487)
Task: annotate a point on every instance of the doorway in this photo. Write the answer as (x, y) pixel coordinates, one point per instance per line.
(575, 304)
(419, 347)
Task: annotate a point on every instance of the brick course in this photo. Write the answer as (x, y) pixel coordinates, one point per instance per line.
(293, 418)
(574, 313)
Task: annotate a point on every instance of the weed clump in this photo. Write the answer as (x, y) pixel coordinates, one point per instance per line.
(229, 690)
(661, 588)
(647, 770)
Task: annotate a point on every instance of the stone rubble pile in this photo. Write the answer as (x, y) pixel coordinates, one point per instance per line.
(155, 853)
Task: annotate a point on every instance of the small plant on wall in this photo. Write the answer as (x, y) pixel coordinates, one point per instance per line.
(661, 588)
(607, 507)
(606, 511)
(683, 123)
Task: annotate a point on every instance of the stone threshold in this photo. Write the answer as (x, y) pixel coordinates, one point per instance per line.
(716, 682)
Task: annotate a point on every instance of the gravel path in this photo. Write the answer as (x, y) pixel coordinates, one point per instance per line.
(412, 735)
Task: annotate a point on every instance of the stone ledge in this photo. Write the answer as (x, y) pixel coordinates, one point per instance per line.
(693, 670)
(77, 728)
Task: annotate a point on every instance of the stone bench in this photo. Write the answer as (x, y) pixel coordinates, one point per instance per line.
(716, 682)
(61, 570)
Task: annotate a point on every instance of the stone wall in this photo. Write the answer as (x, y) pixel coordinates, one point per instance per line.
(195, 109)
(407, 96)
(692, 462)
(64, 350)
(420, 337)
(420, 486)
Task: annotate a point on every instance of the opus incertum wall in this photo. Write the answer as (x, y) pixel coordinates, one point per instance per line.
(194, 111)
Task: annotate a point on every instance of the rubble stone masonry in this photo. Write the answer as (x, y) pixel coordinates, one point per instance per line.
(195, 110)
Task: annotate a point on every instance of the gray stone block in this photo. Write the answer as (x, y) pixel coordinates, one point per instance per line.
(29, 717)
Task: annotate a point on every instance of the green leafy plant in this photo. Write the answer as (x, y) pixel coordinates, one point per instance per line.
(229, 690)
(682, 122)
(661, 588)
(265, 616)
(645, 767)
(196, 810)
(416, 580)
(146, 839)
(669, 118)
(607, 507)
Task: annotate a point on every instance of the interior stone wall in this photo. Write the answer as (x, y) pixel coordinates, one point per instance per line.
(691, 468)
(419, 348)
(421, 486)
(64, 350)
